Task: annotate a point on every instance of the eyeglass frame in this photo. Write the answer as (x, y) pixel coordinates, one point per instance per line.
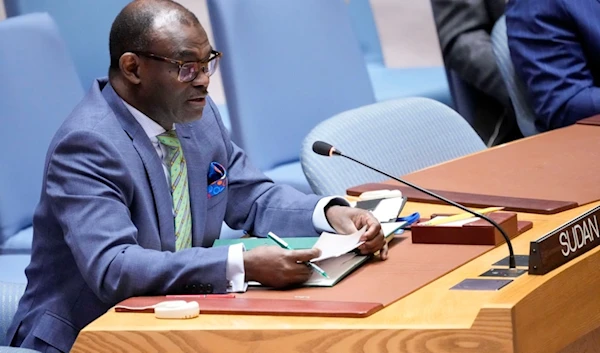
(216, 56)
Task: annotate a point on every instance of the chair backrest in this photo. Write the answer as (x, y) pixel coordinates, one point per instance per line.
(516, 89)
(10, 294)
(84, 25)
(397, 136)
(38, 90)
(365, 29)
(16, 350)
(287, 65)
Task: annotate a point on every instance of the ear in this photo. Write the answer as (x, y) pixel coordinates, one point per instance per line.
(129, 64)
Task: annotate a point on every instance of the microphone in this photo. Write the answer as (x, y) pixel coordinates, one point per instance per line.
(325, 149)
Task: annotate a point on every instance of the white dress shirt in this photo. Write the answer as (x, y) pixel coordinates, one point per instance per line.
(234, 272)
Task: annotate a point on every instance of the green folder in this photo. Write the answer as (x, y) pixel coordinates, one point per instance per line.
(342, 266)
(295, 242)
(251, 243)
(337, 268)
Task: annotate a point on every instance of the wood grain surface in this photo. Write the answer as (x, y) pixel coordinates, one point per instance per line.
(560, 165)
(517, 204)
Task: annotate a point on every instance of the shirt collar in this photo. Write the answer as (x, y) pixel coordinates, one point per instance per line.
(151, 127)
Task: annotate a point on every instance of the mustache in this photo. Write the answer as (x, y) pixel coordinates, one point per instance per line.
(198, 94)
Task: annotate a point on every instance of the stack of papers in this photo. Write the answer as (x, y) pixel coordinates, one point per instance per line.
(334, 245)
(337, 258)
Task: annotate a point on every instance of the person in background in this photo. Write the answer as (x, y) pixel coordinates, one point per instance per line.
(464, 28)
(138, 181)
(555, 46)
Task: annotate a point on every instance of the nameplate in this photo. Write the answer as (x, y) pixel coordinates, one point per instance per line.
(565, 243)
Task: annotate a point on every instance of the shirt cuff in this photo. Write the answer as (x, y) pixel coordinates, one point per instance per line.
(319, 219)
(234, 271)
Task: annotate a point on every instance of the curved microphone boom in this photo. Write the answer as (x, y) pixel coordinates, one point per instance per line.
(325, 149)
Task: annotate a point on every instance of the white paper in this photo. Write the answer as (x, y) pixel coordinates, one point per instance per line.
(389, 228)
(334, 245)
(335, 268)
(387, 209)
(379, 194)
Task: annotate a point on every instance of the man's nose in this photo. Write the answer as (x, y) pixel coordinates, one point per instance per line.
(201, 80)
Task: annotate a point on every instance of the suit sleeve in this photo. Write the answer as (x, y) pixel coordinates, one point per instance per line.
(549, 58)
(464, 28)
(91, 194)
(258, 205)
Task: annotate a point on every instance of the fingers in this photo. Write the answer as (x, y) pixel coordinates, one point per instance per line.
(304, 274)
(373, 227)
(299, 271)
(384, 252)
(305, 255)
(373, 245)
(373, 237)
(276, 267)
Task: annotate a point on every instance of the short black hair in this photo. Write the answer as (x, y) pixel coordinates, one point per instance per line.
(132, 28)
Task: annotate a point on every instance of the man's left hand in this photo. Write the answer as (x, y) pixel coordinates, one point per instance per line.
(347, 220)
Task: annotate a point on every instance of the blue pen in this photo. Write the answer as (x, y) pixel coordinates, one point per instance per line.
(285, 245)
(410, 219)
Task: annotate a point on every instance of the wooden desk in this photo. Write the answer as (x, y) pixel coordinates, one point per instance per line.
(557, 312)
(557, 166)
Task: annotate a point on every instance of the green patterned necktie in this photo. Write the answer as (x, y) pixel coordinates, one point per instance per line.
(179, 190)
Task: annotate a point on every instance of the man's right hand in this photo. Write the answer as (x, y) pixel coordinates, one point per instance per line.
(273, 266)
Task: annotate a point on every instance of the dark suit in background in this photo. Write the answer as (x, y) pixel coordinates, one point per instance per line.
(464, 28)
(555, 47)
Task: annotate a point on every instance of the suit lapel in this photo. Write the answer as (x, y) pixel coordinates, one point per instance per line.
(153, 165)
(197, 165)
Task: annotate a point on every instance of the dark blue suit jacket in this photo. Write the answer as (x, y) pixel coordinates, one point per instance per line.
(104, 230)
(555, 48)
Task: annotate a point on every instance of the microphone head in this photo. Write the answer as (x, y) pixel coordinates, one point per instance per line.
(323, 148)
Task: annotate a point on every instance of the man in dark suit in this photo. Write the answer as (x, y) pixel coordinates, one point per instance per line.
(464, 28)
(138, 181)
(555, 48)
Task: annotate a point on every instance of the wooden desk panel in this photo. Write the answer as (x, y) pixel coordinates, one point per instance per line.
(468, 199)
(532, 314)
(375, 281)
(593, 120)
(560, 166)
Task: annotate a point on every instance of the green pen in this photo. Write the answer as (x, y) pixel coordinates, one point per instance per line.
(285, 245)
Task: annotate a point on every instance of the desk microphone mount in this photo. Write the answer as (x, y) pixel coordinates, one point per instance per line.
(325, 149)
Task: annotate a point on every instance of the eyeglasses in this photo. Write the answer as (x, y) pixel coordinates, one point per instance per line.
(189, 70)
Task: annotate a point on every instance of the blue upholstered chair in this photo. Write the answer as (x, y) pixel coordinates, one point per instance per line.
(398, 136)
(287, 66)
(10, 293)
(390, 83)
(16, 350)
(38, 89)
(516, 89)
(85, 26)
